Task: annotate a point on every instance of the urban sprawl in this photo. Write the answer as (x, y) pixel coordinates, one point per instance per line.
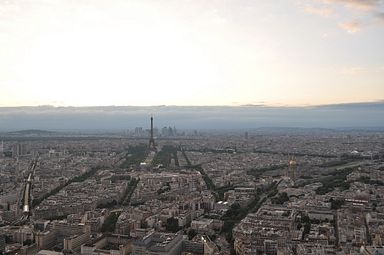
(167, 191)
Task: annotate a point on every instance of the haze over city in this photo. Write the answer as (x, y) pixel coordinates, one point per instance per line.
(338, 116)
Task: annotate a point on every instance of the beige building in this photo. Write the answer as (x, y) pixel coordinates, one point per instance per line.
(73, 243)
(45, 240)
(108, 244)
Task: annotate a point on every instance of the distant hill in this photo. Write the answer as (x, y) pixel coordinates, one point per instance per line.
(32, 132)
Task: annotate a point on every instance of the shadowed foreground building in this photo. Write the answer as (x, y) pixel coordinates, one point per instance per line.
(2, 243)
(265, 232)
(159, 243)
(108, 244)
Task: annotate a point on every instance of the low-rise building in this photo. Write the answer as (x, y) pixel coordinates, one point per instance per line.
(159, 243)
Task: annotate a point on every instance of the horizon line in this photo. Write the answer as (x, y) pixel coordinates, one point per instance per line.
(222, 105)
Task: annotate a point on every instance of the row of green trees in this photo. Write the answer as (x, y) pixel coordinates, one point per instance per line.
(126, 198)
(296, 154)
(134, 156)
(257, 172)
(80, 178)
(164, 157)
(109, 224)
(368, 180)
(109, 204)
(208, 181)
(186, 158)
(280, 199)
(336, 179)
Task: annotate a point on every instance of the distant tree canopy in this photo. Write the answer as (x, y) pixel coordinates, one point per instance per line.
(27, 242)
(306, 222)
(164, 157)
(336, 204)
(126, 198)
(110, 223)
(108, 204)
(280, 199)
(172, 225)
(134, 156)
(191, 234)
(336, 179)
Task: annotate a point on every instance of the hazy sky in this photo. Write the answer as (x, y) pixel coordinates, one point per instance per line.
(190, 52)
(356, 115)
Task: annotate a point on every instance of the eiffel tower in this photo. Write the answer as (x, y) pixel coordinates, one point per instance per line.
(152, 146)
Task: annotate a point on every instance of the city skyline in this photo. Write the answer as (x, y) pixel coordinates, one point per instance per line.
(280, 53)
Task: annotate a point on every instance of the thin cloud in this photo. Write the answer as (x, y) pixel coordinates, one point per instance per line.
(351, 70)
(358, 10)
(324, 12)
(351, 27)
(380, 16)
(357, 4)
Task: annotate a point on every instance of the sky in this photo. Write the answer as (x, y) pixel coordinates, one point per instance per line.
(191, 52)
